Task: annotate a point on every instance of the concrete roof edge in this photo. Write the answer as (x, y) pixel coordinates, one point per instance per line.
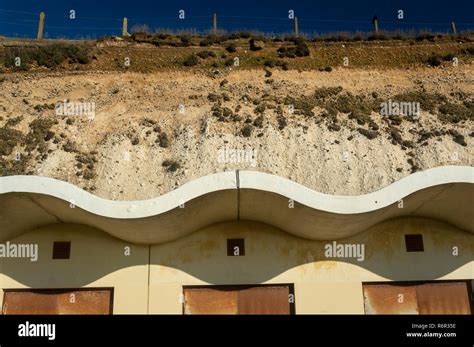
(118, 209)
(346, 204)
(247, 180)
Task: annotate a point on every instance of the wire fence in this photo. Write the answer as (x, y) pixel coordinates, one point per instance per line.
(93, 27)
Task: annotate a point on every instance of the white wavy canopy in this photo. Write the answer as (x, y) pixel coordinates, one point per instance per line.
(443, 193)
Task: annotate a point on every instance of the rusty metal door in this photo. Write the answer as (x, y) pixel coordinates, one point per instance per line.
(264, 300)
(30, 302)
(51, 301)
(237, 300)
(212, 300)
(85, 302)
(443, 298)
(390, 299)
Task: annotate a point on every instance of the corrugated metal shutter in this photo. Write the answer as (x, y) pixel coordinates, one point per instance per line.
(443, 298)
(390, 299)
(210, 300)
(30, 302)
(51, 301)
(264, 300)
(237, 300)
(424, 298)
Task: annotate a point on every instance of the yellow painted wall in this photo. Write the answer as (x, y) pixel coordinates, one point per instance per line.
(321, 285)
(97, 260)
(271, 256)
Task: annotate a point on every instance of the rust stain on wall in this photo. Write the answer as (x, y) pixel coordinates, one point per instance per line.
(208, 246)
(325, 264)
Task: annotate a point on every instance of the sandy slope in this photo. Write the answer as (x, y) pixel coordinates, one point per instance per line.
(126, 160)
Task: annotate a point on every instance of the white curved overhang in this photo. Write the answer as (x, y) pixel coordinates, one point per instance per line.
(442, 193)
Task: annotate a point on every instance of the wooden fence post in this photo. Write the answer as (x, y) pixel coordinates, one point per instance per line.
(125, 27)
(215, 24)
(296, 26)
(453, 28)
(375, 21)
(41, 26)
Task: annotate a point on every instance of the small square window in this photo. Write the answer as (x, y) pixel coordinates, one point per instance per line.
(235, 247)
(61, 250)
(414, 242)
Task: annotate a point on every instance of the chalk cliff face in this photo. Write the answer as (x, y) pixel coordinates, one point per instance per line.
(133, 136)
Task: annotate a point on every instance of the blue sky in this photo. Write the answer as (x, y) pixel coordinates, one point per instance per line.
(99, 18)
